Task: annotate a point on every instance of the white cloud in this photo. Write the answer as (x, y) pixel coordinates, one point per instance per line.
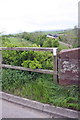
(31, 15)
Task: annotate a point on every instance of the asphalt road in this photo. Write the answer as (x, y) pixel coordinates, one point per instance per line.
(11, 110)
(0, 109)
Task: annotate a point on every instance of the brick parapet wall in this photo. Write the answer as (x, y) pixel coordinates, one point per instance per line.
(69, 66)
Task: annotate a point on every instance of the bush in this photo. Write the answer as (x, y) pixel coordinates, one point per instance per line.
(31, 59)
(51, 43)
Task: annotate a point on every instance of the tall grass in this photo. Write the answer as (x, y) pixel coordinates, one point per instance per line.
(40, 87)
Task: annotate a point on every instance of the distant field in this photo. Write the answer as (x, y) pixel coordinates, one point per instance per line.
(20, 42)
(52, 32)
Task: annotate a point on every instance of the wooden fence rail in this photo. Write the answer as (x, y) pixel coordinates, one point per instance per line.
(28, 48)
(28, 69)
(54, 50)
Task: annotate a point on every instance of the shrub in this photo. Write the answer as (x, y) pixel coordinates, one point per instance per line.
(51, 43)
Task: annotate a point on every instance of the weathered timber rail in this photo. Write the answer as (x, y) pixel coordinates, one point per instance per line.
(53, 50)
(28, 69)
(28, 48)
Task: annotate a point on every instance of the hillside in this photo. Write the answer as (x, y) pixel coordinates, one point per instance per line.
(39, 38)
(15, 41)
(70, 37)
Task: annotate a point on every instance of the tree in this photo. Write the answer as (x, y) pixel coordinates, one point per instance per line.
(40, 40)
(51, 43)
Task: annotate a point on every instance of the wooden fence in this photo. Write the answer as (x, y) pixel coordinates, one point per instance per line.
(55, 61)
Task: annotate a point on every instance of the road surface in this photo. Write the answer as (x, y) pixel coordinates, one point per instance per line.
(0, 109)
(12, 110)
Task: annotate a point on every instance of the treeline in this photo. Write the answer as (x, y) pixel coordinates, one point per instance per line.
(40, 39)
(36, 38)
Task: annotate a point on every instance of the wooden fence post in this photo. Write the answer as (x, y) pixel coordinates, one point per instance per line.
(55, 65)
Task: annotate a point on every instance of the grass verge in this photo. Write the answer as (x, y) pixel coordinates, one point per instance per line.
(40, 87)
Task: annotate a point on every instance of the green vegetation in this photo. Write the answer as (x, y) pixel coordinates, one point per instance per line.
(15, 42)
(40, 87)
(51, 43)
(70, 37)
(39, 38)
(30, 59)
(61, 47)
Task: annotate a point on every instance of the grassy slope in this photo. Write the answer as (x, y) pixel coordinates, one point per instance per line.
(70, 37)
(40, 87)
(61, 47)
(20, 42)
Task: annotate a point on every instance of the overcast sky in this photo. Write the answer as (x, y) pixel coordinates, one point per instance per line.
(37, 15)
